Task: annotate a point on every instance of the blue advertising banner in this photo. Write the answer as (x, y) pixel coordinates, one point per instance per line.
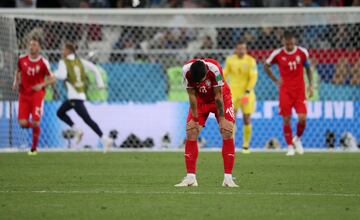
(154, 120)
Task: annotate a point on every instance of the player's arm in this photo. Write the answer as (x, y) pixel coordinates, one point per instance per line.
(194, 123)
(225, 126)
(17, 77)
(269, 72)
(227, 69)
(49, 80)
(308, 71)
(92, 67)
(253, 76)
(61, 72)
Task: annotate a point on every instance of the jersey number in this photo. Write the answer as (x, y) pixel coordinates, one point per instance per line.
(292, 65)
(78, 82)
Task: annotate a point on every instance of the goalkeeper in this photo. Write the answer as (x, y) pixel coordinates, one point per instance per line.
(241, 72)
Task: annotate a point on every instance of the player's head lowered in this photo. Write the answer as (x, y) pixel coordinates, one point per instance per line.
(241, 48)
(289, 41)
(198, 71)
(34, 45)
(69, 48)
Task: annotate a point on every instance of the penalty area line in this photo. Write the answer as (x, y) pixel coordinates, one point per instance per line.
(298, 194)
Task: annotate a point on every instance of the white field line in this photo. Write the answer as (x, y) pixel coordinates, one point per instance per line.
(295, 194)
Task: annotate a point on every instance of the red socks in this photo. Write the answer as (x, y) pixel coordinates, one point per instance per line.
(288, 134)
(228, 153)
(35, 135)
(191, 155)
(192, 152)
(35, 138)
(300, 129)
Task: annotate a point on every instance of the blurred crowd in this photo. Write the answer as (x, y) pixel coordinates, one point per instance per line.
(174, 3)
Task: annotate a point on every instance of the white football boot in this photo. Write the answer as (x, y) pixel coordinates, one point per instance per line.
(106, 142)
(291, 151)
(188, 181)
(298, 145)
(228, 181)
(78, 135)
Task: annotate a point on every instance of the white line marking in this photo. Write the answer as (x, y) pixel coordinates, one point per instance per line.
(182, 193)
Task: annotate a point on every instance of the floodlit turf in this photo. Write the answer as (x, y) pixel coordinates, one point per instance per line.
(140, 186)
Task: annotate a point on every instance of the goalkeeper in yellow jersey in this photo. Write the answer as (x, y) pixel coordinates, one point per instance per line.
(241, 71)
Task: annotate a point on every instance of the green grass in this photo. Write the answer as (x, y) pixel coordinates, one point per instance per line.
(140, 186)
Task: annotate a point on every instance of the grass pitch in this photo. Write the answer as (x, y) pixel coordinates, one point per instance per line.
(139, 185)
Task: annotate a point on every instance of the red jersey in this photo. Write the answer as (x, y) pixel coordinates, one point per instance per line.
(214, 78)
(33, 72)
(291, 67)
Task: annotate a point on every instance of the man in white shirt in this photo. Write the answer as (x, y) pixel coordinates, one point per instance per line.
(71, 70)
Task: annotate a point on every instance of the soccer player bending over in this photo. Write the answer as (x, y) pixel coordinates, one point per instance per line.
(71, 70)
(31, 77)
(208, 93)
(291, 60)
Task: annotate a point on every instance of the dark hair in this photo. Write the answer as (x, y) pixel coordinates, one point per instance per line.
(288, 35)
(70, 46)
(198, 70)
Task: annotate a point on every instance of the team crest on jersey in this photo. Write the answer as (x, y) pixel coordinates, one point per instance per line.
(207, 83)
(283, 58)
(37, 68)
(298, 59)
(25, 63)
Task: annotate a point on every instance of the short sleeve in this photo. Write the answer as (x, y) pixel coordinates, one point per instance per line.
(185, 72)
(47, 70)
(272, 59)
(216, 70)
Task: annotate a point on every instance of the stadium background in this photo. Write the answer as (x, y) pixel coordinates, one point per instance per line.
(141, 62)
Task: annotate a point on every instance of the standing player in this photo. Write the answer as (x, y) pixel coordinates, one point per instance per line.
(30, 79)
(71, 70)
(291, 60)
(208, 93)
(241, 70)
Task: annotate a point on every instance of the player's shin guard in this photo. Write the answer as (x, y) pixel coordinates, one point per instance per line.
(228, 153)
(288, 134)
(35, 137)
(300, 128)
(246, 135)
(191, 155)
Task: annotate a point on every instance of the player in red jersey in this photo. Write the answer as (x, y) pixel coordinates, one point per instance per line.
(291, 60)
(208, 93)
(30, 80)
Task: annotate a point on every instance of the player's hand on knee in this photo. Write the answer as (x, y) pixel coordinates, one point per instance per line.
(192, 128)
(226, 127)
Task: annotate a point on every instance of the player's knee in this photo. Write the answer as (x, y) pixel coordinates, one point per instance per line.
(247, 119)
(23, 123)
(302, 119)
(36, 123)
(227, 134)
(287, 120)
(59, 113)
(192, 134)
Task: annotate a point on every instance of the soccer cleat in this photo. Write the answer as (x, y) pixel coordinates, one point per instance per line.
(106, 142)
(291, 151)
(229, 182)
(32, 153)
(78, 135)
(188, 181)
(245, 151)
(298, 145)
